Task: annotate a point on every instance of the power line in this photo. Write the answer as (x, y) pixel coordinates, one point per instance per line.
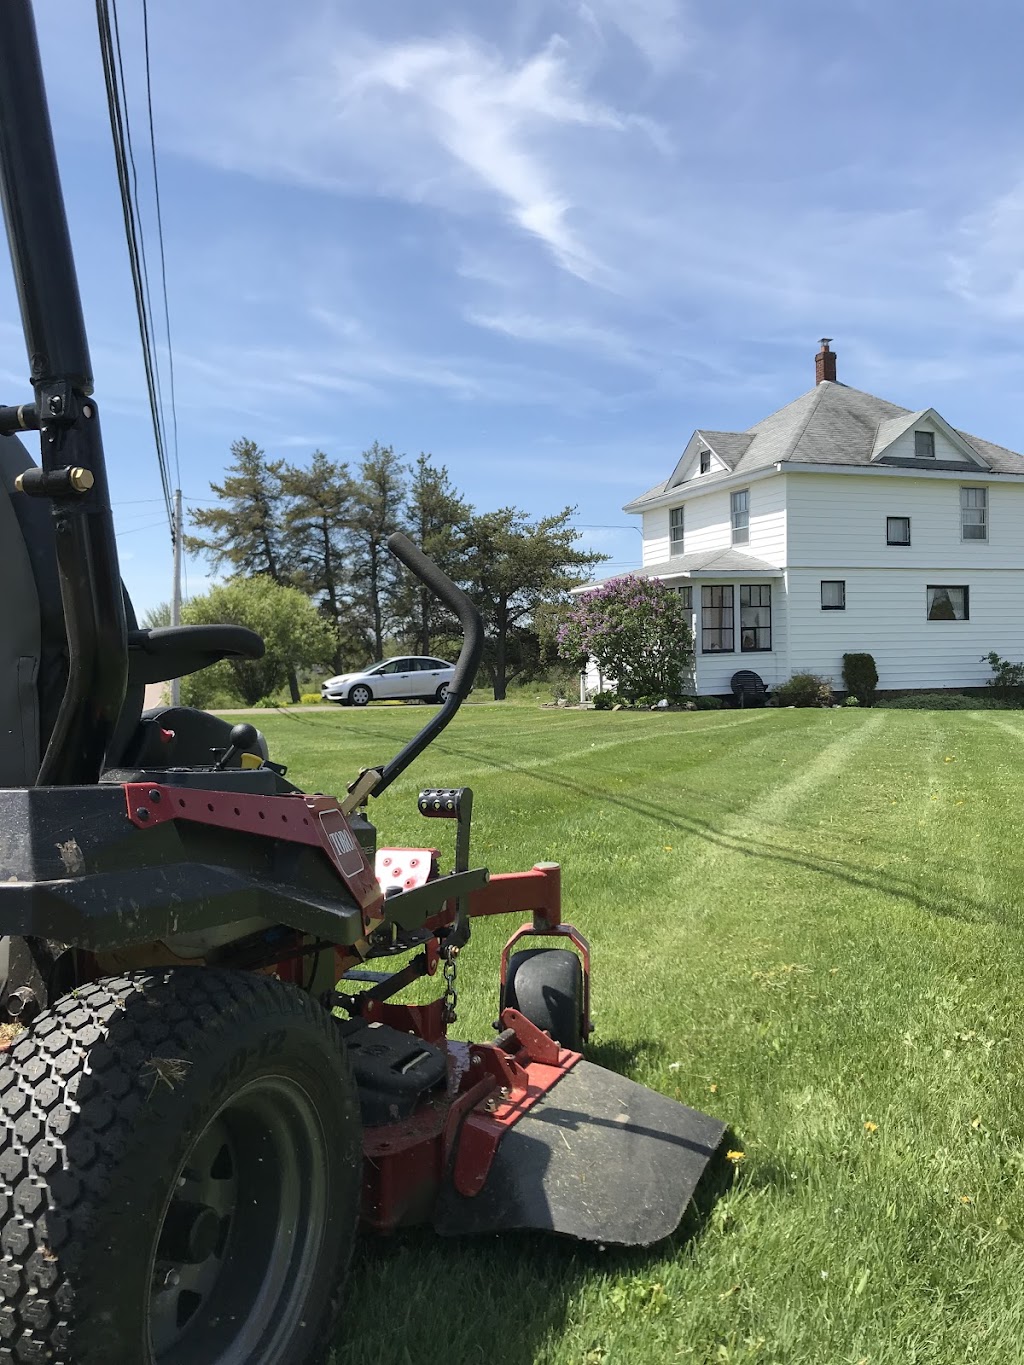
(160, 238)
(113, 75)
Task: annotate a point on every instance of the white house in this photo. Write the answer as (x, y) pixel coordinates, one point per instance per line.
(843, 523)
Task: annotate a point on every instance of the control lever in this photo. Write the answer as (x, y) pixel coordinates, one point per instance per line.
(244, 738)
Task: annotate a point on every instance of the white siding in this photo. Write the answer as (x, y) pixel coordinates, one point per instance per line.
(768, 521)
(656, 547)
(840, 519)
(886, 616)
(706, 523)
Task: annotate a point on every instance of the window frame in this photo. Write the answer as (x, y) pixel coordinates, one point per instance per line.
(704, 462)
(740, 533)
(685, 591)
(930, 455)
(727, 608)
(833, 606)
(675, 548)
(965, 588)
(983, 490)
(760, 589)
(888, 534)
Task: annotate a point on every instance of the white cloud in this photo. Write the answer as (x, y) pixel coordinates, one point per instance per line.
(987, 263)
(654, 27)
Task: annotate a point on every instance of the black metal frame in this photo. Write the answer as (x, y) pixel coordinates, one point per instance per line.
(73, 469)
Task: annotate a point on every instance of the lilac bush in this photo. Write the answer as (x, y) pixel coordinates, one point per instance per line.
(638, 631)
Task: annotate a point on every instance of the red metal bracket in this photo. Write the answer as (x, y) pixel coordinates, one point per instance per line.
(297, 819)
(538, 1065)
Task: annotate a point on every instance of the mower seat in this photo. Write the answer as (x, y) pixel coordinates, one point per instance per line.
(33, 644)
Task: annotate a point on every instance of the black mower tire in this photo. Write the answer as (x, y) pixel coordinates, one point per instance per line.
(103, 1103)
(360, 695)
(546, 985)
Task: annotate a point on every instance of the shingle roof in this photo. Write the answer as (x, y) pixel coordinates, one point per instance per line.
(726, 563)
(729, 446)
(831, 424)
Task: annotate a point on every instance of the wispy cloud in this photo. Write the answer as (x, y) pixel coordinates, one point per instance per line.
(987, 260)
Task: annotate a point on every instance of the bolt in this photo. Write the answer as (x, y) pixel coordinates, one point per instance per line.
(172, 1279)
(142, 813)
(154, 796)
(81, 479)
(56, 405)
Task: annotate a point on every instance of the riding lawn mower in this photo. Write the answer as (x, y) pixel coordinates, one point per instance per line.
(208, 1081)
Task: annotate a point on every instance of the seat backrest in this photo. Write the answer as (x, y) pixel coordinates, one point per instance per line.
(21, 631)
(33, 642)
(746, 680)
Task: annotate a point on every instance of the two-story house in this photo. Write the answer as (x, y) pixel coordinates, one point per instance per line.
(843, 523)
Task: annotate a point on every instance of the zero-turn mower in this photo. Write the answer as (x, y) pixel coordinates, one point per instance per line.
(212, 1082)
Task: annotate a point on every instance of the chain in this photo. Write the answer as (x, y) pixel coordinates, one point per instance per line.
(451, 995)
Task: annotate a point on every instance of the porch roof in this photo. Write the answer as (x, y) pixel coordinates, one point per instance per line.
(727, 563)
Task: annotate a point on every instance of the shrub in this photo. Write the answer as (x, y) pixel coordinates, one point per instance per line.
(861, 677)
(852, 701)
(709, 703)
(941, 701)
(310, 699)
(265, 704)
(804, 689)
(604, 701)
(1007, 679)
(638, 632)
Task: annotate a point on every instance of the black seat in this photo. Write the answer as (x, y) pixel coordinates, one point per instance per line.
(747, 686)
(33, 643)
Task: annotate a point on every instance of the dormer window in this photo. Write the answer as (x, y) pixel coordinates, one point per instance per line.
(705, 461)
(924, 445)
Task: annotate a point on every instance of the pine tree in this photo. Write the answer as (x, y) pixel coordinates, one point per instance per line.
(316, 520)
(379, 495)
(437, 515)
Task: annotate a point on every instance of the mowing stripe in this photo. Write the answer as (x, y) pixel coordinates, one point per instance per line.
(550, 759)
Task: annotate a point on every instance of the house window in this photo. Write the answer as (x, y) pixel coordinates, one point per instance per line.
(705, 461)
(974, 514)
(741, 517)
(897, 530)
(685, 596)
(833, 594)
(675, 531)
(948, 604)
(924, 445)
(716, 620)
(755, 617)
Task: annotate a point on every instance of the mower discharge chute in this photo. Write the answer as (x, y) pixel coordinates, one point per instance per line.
(214, 1079)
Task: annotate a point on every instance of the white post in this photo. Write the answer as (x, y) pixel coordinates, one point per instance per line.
(176, 589)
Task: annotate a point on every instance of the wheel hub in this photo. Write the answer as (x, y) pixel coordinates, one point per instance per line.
(241, 1233)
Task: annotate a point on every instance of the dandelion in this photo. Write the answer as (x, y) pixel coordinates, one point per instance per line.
(949, 760)
(713, 1087)
(735, 1157)
(667, 848)
(966, 1199)
(870, 1127)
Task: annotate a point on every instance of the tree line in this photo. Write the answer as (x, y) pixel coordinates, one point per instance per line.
(321, 530)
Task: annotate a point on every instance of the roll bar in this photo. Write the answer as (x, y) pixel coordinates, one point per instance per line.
(469, 656)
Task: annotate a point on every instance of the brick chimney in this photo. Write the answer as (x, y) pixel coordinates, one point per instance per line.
(825, 363)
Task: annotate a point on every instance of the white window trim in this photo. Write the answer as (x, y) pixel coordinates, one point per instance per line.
(732, 517)
(676, 549)
(974, 540)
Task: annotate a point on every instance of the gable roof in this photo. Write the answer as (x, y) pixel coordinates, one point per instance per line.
(831, 424)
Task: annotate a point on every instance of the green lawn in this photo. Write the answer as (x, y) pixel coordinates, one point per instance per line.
(808, 922)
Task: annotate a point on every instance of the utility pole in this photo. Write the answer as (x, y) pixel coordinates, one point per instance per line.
(176, 590)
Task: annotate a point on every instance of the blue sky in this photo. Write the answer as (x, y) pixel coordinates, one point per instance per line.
(543, 241)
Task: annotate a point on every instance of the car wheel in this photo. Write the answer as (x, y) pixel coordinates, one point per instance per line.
(360, 695)
(441, 695)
